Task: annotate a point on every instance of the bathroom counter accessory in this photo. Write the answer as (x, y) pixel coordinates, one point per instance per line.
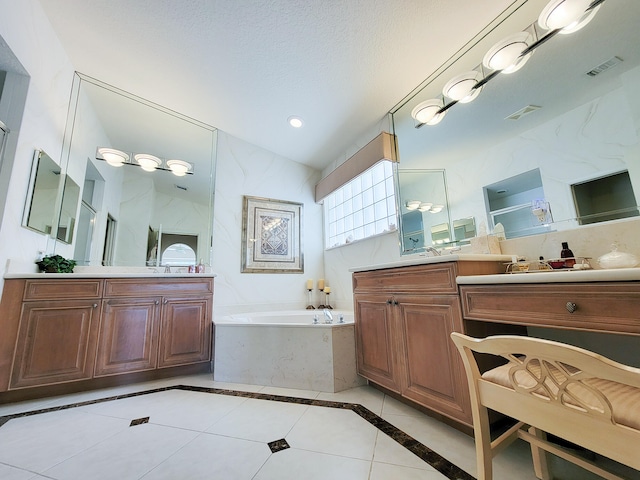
(556, 276)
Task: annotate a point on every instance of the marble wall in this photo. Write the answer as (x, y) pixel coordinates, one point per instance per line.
(244, 169)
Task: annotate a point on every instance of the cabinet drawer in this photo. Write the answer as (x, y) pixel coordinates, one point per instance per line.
(61, 289)
(604, 307)
(440, 278)
(136, 287)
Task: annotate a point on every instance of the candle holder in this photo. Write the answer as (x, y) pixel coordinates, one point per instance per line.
(309, 306)
(326, 301)
(321, 306)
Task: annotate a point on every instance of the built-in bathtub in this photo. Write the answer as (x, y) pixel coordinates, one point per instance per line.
(287, 349)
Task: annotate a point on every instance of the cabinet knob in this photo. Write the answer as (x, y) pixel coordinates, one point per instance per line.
(395, 302)
(95, 305)
(157, 302)
(165, 301)
(571, 307)
(389, 302)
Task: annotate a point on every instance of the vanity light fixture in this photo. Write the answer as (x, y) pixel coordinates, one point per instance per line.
(113, 157)
(462, 88)
(436, 209)
(179, 167)
(412, 204)
(425, 206)
(507, 56)
(568, 16)
(147, 162)
(429, 112)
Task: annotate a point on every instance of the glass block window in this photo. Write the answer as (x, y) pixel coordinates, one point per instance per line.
(362, 208)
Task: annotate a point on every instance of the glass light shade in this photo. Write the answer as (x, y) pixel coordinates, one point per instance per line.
(113, 157)
(178, 167)
(147, 162)
(567, 15)
(295, 122)
(505, 55)
(460, 88)
(425, 206)
(427, 112)
(412, 204)
(436, 208)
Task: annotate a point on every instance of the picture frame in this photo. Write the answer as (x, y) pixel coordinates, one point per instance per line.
(271, 236)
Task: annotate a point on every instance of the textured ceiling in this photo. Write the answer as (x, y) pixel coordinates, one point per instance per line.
(245, 66)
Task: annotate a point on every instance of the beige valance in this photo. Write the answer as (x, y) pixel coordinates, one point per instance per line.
(383, 147)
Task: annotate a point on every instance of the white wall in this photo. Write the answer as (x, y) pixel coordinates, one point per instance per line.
(27, 32)
(244, 169)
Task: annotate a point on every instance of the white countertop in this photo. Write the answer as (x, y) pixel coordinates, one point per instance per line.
(421, 259)
(108, 275)
(556, 276)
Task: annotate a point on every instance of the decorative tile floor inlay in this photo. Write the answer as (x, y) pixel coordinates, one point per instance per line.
(438, 462)
(278, 445)
(139, 421)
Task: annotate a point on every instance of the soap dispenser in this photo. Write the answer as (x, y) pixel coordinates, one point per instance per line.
(567, 254)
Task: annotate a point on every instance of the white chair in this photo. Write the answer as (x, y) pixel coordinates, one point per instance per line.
(551, 387)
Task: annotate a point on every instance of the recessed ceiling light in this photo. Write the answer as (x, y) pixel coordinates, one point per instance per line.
(295, 122)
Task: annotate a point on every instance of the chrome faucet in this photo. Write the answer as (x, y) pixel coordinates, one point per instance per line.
(328, 318)
(433, 250)
(167, 269)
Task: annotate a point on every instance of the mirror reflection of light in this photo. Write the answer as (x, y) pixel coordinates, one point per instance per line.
(567, 15)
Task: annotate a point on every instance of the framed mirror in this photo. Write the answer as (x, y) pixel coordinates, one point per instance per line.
(571, 113)
(423, 208)
(132, 196)
(40, 210)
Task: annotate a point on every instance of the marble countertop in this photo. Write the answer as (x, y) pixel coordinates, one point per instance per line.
(557, 276)
(421, 259)
(107, 275)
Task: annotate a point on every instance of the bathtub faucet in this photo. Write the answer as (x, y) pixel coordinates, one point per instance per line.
(328, 318)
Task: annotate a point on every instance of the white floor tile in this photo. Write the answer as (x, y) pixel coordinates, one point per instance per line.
(126, 456)
(242, 387)
(294, 464)
(213, 457)
(366, 396)
(290, 392)
(392, 406)
(259, 420)
(40, 441)
(12, 473)
(383, 471)
(389, 451)
(334, 431)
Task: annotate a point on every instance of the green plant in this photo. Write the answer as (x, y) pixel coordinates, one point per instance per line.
(56, 264)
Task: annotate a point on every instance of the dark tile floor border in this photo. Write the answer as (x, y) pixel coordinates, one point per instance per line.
(438, 462)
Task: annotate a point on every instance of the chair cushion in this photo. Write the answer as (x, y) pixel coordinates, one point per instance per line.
(624, 399)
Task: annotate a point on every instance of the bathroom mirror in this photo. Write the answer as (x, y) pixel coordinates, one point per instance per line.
(571, 113)
(40, 208)
(128, 201)
(422, 206)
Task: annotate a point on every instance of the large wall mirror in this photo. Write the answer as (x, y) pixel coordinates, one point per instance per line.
(522, 152)
(146, 176)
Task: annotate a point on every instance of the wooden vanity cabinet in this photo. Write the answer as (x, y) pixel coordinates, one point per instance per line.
(56, 339)
(404, 317)
(146, 326)
(57, 331)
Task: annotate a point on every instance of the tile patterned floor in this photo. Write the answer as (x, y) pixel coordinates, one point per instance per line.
(193, 427)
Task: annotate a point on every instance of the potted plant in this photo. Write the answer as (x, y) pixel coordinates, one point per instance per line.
(56, 264)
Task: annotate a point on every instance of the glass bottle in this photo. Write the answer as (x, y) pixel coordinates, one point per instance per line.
(567, 254)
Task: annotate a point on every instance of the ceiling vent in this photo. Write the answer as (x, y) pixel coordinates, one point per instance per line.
(522, 112)
(180, 187)
(612, 62)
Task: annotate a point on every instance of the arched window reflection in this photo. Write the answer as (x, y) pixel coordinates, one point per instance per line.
(178, 254)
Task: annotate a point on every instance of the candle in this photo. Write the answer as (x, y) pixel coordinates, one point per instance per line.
(327, 289)
(321, 284)
(310, 284)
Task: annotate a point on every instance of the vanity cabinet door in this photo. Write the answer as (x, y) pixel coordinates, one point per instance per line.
(128, 339)
(377, 340)
(185, 331)
(56, 342)
(434, 375)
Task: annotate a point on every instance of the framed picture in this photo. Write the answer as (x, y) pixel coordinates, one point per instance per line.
(271, 236)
